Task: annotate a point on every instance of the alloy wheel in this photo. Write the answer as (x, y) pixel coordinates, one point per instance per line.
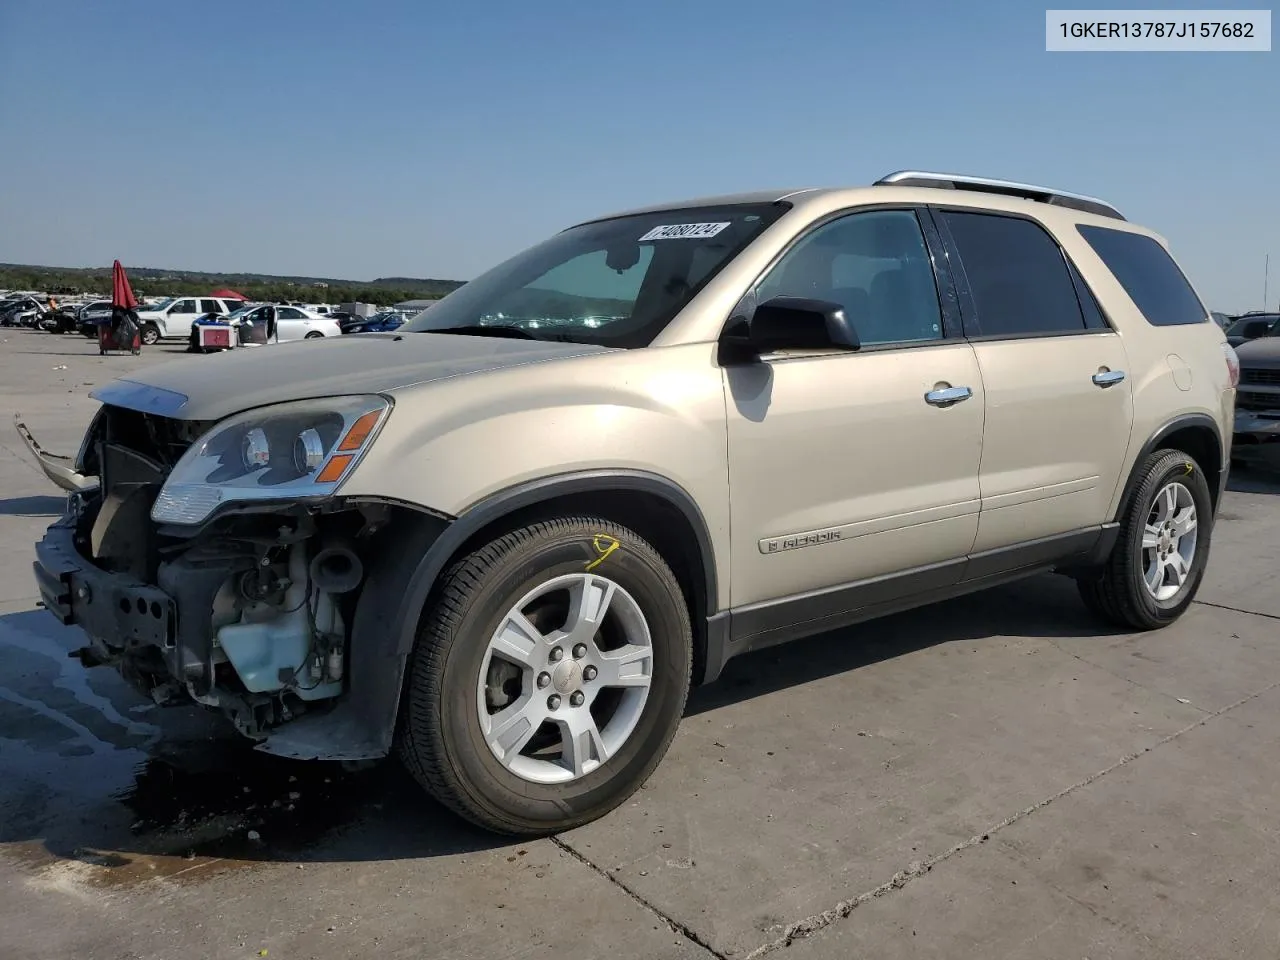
(565, 678)
(1169, 541)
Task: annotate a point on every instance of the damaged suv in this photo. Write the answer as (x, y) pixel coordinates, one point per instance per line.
(503, 540)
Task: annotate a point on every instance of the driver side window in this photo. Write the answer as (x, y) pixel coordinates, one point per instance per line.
(874, 264)
(184, 306)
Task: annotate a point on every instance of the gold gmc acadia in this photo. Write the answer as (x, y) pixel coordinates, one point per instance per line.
(502, 541)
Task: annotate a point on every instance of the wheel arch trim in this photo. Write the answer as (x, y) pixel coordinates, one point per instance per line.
(1170, 427)
(544, 489)
(382, 639)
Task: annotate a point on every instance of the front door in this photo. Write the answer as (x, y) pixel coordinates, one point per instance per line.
(177, 322)
(845, 467)
(1059, 407)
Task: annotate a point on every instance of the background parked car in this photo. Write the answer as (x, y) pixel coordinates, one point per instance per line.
(383, 322)
(1251, 326)
(67, 318)
(172, 317)
(22, 312)
(99, 311)
(1257, 424)
(291, 323)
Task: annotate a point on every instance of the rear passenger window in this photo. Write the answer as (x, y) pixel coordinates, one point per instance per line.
(1017, 275)
(1148, 274)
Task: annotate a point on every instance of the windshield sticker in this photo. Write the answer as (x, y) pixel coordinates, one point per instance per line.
(681, 231)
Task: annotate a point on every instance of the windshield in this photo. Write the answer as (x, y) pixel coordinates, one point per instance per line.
(237, 314)
(614, 283)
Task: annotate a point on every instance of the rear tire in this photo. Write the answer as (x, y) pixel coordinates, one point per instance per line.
(1159, 560)
(452, 735)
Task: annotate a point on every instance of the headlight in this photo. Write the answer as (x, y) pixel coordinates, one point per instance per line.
(289, 451)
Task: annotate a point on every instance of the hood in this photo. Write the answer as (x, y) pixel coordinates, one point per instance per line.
(214, 386)
(1262, 352)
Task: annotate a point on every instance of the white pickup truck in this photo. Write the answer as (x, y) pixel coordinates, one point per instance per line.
(171, 318)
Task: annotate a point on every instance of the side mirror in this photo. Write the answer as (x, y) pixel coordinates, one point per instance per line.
(788, 323)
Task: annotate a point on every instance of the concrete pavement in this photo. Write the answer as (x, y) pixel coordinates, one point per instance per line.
(995, 776)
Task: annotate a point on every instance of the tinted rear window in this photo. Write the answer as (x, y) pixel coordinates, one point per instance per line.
(1148, 274)
(1017, 275)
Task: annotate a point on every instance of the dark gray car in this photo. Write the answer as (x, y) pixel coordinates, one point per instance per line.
(1257, 427)
(1251, 326)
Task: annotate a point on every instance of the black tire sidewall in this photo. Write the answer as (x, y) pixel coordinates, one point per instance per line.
(515, 574)
(1170, 467)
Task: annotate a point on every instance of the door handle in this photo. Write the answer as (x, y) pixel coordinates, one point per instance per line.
(946, 396)
(1108, 378)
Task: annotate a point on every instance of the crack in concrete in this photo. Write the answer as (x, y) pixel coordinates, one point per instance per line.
(1223, 606)
(1128, 680)
(674, 925)
(918, 868)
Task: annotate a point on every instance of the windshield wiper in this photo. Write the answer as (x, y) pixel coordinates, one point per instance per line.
(484, 330)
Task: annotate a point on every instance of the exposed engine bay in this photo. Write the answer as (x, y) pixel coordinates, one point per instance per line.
(249, 613)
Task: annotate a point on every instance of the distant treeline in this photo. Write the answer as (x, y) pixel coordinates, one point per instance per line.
(149, 282)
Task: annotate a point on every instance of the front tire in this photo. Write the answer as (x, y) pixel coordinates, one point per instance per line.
(313, 335)
(150, 334)
(1160, 556)
(549, 676)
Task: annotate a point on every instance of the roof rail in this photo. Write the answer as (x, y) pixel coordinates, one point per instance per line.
(1028, 191)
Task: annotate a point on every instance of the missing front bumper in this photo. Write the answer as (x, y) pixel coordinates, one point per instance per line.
(116, 611)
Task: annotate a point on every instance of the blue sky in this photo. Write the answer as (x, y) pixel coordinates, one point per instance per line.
(368, 139)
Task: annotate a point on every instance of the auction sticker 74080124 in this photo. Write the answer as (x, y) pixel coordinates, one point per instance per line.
(684, 231)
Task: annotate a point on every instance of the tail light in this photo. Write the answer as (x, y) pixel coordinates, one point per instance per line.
(1233, 364)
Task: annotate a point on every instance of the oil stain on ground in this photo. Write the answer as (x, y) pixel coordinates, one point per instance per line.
(96, 780)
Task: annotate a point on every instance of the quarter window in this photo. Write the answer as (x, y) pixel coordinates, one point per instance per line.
(876, 266)
(1018, 277)
(1149, 276)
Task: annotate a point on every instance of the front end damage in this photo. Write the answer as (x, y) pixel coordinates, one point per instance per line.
(252, 612)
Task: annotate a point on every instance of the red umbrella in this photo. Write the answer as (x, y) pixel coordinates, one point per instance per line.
(121, 293)
(228, 295)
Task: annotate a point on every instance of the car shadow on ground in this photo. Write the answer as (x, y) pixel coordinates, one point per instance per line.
(36, 506)
(204, 794)
(1044, 607)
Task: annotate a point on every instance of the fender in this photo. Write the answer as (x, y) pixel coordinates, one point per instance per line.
(1156, 439)
(362, 726)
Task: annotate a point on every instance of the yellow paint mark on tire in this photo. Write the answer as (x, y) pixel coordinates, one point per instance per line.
(604, 546)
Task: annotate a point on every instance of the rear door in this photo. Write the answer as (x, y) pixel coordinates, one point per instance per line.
(1059, 406)
(291, 323)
